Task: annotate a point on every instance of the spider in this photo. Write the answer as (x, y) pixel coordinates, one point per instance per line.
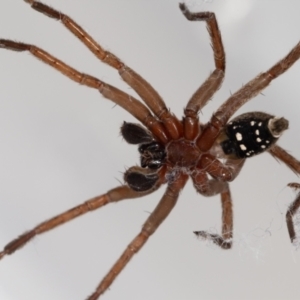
(172, 150)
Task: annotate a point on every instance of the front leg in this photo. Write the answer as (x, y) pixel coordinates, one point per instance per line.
(149, 95)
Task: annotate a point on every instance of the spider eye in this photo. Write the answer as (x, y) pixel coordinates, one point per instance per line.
(140, 180)
(252, 133)
(135, 134)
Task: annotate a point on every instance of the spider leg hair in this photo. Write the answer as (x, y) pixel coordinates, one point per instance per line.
(114, 195)
(147, 93)
(281, 154)
(214, 81)
(129, 103)
(224, 241)
(292, 210)
(218, 185)
(243, 95)
(159, 214)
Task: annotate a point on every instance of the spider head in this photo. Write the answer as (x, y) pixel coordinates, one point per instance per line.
(152, 157)
(251, 133)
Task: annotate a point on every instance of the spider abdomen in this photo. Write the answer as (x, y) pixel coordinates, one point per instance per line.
(252, 133)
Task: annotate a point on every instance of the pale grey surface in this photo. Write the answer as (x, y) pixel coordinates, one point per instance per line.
(60, 145)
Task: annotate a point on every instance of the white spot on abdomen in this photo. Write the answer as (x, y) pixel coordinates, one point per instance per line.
(243, 147)
(238, 136)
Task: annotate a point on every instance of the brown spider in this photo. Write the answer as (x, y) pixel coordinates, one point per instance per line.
(167, 157)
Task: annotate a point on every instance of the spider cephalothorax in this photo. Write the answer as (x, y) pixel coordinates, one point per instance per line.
(173, 150)
(246, 135)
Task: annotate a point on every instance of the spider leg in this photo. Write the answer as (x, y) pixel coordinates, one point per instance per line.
(278, 152)
(221, 174)
(209, 188)
(117, 194)
(223, 171)
(148, 94)
(225, 240)
(244, 94)
(129, 103)
(292, 210)
(159, 214)
(214, 81)
(294, 165)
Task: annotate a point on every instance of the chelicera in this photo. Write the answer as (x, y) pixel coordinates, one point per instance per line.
(172, 150)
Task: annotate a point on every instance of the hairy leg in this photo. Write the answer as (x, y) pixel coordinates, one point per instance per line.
(117, 194)
(129, 103)
(244, 94)
(159, 214)
(213, 82)
(292, 210)
(213, 187)
(279, 153)
(147, 93)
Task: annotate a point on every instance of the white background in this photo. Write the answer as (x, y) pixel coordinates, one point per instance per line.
(60, 145)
